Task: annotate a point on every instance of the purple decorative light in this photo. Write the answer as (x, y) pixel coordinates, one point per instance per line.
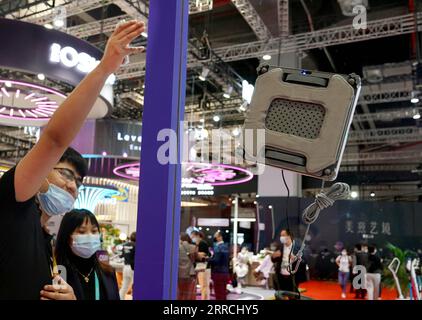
(28, 105)
(196, 172)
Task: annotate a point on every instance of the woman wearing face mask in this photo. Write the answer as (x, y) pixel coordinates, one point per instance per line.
(344, 262)
(78, 240)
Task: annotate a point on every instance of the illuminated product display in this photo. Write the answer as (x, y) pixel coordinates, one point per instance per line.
(196, 173)
(27, 102)
(89, 197)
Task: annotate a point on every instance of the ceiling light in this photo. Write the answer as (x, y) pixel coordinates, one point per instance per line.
(216, 118)
(8, 84)
(41, 76)
(372, 194)
(266, 57)
(227, 92)
(204, 74)
(58, 23)
(236, 132)
(414, 98)
(354, 194)
(48, 26)
(417, 116)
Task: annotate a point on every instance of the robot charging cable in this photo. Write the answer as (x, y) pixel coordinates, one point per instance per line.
(322, 201)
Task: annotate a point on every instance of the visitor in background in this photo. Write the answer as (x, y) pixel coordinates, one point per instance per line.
(373, 273)
(241, 268)
(219, 262)
(360, 259)
(186, 272)
(344, 262)
(128, 253)
(78, 241)
(262, 272)
(202, 267)
(283, 258)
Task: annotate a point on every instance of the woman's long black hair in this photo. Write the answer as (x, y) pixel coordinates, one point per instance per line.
(70, 222)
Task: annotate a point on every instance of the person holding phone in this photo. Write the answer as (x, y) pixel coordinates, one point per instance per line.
(44, 183)
(78, 242)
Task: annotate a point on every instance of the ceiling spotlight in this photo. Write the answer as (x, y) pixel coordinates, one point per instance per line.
(227, 92)
(354, 194)
(216, 118)
(200, 228)
(41, 76)
(415, 98)
(204, 74)
(58, 23)
(124, 155)
(8, 84)
(416, 116)
(372, 194)
(255, 202)
(270, 207)
(257, 196)
(236, 132)
(48, 26)
(266, 57)
(227, 231)
(104, 153)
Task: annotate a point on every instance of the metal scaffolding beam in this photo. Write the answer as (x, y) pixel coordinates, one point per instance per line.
(72, 8)
(253, 19)
(381, 156)
(385, 97)
(283, 18)
(386, 116)
(385, 135)
(387, 27)
(92, 28)
(320, 38)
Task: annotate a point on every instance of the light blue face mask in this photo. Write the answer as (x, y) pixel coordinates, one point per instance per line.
(55, 201)
(85, 245)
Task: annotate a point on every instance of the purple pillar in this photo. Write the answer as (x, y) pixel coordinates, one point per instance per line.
(159, 187)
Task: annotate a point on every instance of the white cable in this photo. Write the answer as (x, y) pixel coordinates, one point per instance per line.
(322, 201)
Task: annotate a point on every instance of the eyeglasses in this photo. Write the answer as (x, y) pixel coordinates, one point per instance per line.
(69, 175)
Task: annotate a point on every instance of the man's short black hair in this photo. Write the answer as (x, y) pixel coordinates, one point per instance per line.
(75, 158)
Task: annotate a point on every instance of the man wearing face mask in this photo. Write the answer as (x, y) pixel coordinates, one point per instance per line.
(281, 258)
(43, 179)
(220, 266)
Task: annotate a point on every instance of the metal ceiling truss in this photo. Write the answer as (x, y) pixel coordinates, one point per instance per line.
(283, 18)
(73, 7)
(381, 156)
(387, 115)
(93, 28)
(387, 27)
(22, 9)
(345, 167)
(253, 19)
(385, 135)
